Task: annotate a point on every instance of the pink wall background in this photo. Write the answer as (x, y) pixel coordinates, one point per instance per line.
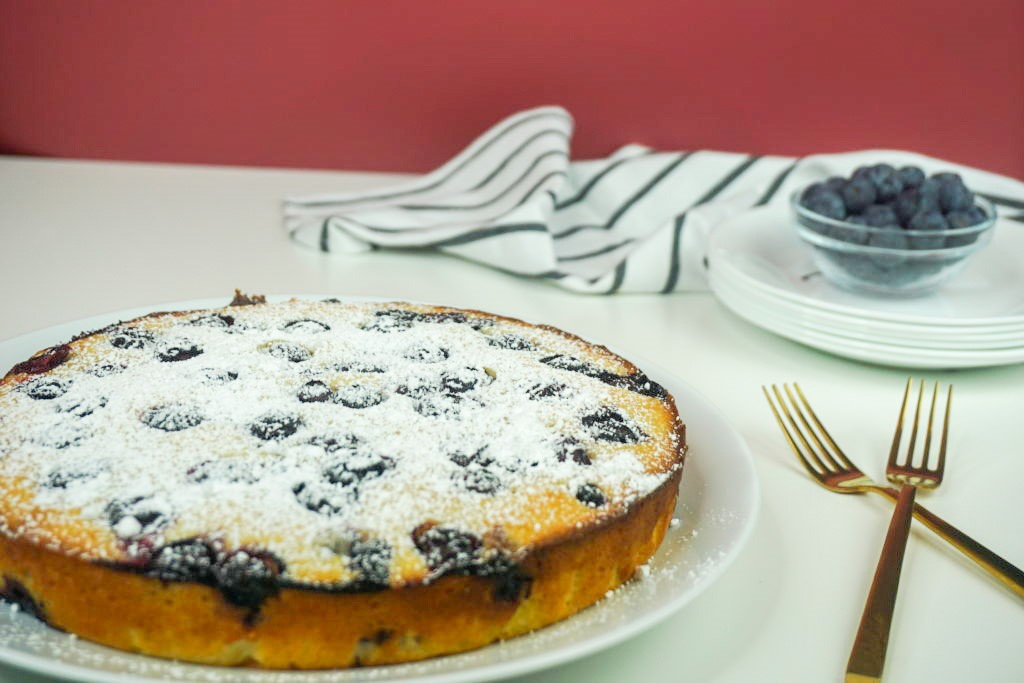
(402, 86)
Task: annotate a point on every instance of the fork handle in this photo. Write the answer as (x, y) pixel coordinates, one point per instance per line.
(1005, 572)
(867, 659)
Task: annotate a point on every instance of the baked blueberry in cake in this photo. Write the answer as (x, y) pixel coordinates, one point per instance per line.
(316, 484)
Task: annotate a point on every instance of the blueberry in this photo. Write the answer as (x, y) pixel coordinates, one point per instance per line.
(912, 201)
(889, 239)
(591, 495)
(46, 389)
(358, 396)
(293, 353)
(887, 183)
(931, 221)
(357, 469)
(213, 320)
(82, 407)
(479, 457)
(446, 549)
(230, 471)
(835, 184)
(463, 380)
(371, 559)
(570, 448)
(323, 500)
(965, 218)
(930, 189)
(246, 578)
(16, 593)
(218, 376)
(511, 342)
(172, 418)
(881, 216)
(858, 194)
(427, 355)
(607, 424)
(275, 426)
(555, 390)
(359, 366)
(438, 405)
(178, 351)
(106, 369)
(910, 176)
(827, 204)
(479, 480)
(306, 326)
(333, 443)
(134, 517)
(62, 478)
(189, 559)
(314, 391)
(63, 436)
(131, 338)
(954, 196)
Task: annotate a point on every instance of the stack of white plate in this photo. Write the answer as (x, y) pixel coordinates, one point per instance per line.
(760, 269)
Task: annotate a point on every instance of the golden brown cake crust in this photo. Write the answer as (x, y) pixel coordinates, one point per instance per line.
(528, 533)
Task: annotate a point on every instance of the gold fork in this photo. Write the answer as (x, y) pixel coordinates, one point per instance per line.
(834, 471)
(867, 658)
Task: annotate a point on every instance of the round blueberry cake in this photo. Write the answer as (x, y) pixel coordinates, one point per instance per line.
(317, 484)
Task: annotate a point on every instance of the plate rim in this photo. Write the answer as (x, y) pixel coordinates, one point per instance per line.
(740, 454)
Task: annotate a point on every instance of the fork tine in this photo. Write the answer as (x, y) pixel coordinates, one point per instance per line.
(815, 453)
(928, 434)
(840, 460)
(785, 430)
(898, 434)
(941, 467)
(909, 460)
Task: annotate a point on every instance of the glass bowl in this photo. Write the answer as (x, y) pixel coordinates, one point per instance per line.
(919, 262)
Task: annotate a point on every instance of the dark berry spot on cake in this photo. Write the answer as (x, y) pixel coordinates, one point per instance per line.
(246, 578)
(275, 426)
(571, 364)
(314, 391)
(571, 449)
(15, 592)
(446, 549)
(331, 300)
(638, 383)
(293, 353)
(43, 362)
(591, 495)
(306, 326)
(106, 369)
(63, 435)
(226, 471)
(134, 517)
(461, 380)
(63, 478)
(608, 424)
(316, 497)
(479, 480)
(539, 392)
(131, 338)
(438, 405)
(358, 396)
(172, 418)
(358, 467)
(82, 406)
(216, 376)
(511, 342)
(46, 389)
(371, 560)
(391, 320)
(191, 559)
(478, 457)
(213, 320)
(359, 366)
(427, 355)
(333, 443)
(178, 350)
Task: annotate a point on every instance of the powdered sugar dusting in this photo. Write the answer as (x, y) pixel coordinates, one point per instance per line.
(303, 427)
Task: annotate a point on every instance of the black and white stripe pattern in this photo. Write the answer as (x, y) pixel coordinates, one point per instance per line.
(636, 221)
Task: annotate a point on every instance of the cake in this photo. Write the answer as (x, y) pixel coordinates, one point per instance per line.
(319, 484)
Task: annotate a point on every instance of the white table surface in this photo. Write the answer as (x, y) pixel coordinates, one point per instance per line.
(84, 238)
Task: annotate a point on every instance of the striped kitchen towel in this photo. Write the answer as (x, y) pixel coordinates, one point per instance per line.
(636, 221)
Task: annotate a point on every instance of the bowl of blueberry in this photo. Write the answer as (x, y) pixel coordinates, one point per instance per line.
(892, 231)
